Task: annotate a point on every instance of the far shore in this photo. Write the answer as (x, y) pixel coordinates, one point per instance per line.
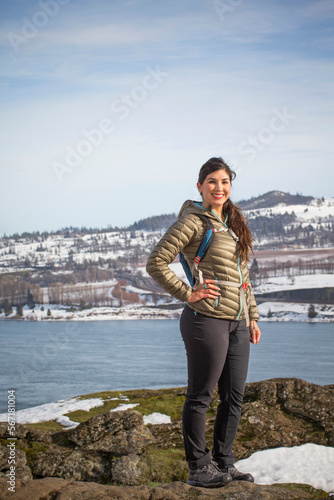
(269, 311)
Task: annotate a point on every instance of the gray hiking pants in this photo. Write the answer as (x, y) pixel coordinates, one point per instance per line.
(217, 353)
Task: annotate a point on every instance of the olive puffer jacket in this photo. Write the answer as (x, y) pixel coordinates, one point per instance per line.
(220, 263)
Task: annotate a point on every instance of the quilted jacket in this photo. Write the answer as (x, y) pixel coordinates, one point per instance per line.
(220, 263)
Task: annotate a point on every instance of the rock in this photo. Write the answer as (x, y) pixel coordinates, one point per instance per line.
(76, 465)
(22, 471)
(60, 489)
(120, 433)
(20, 430)
(106, 444)
(18, 455)
(39, 435)
(309, 402)
(124, 470)
(48, 463)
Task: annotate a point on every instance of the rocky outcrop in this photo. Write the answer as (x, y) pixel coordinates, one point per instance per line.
(285, 412)
(116, 450)
(59, 489)
(119, 433)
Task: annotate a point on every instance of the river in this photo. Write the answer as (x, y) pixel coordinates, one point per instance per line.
(48, 361)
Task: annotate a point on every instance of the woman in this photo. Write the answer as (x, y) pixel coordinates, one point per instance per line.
(217, 323)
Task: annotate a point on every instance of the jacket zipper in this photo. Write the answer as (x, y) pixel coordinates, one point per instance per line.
(224, 224)
(241, 283)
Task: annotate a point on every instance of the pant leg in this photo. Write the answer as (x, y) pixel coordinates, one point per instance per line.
(231, 387)
(206, 341)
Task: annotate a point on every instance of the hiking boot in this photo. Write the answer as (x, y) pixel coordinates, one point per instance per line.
(237, 475)
(209, 476)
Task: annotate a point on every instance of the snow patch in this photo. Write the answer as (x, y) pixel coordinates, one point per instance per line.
(157, 418)
(307, 464)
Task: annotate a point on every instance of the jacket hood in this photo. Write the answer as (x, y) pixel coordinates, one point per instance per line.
(194, 207)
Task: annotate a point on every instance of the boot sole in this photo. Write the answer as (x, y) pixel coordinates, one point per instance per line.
(207, 485)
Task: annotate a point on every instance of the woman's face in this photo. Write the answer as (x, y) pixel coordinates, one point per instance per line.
(215, 190)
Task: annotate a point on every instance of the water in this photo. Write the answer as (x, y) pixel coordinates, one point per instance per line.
(45, 362)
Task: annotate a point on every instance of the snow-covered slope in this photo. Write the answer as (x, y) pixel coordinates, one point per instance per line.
(54, 250)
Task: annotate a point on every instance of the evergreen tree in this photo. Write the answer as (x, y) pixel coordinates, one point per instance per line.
(19, 310)
(30, 299)
(7, 307)
(312, 312)
(49, 312)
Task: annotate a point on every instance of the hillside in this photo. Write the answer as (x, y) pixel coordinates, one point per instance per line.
(83, 268)
(273, 198)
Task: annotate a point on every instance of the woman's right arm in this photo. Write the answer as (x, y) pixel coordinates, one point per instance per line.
(177, 237)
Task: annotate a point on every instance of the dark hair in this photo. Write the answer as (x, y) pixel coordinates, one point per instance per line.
(236, 220)
(211, 166)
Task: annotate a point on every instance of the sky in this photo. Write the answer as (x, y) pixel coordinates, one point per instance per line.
(109, 109)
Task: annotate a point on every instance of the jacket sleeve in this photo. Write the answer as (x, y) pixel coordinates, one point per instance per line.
(253, 311)
(252, 307)
(171, 244)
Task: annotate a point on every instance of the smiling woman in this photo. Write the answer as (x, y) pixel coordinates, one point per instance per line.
(217, 324)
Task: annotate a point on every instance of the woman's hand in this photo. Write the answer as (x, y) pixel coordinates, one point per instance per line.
(208, 290)
(255, 332)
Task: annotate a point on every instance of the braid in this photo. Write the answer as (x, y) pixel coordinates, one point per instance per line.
(237, 222)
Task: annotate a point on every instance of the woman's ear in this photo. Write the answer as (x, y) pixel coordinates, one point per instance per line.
(199, 187)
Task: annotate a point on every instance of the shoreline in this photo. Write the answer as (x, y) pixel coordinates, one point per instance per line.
(282, 312)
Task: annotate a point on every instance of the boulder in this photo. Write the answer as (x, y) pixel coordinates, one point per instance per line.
(302, 400)
(20, 430)
(22, 471)
(119, 433)
(75, 465)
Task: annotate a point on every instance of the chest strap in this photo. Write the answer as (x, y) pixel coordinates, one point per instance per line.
(241, 286)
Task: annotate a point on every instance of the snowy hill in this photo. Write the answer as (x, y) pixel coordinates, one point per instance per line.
(294, 241)
(273, 198)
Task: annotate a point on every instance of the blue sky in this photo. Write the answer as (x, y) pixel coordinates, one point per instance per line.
(109, 109)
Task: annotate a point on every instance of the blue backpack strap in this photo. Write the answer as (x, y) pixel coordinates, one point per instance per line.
(204, 246)
(202, 249)
(187, 270)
